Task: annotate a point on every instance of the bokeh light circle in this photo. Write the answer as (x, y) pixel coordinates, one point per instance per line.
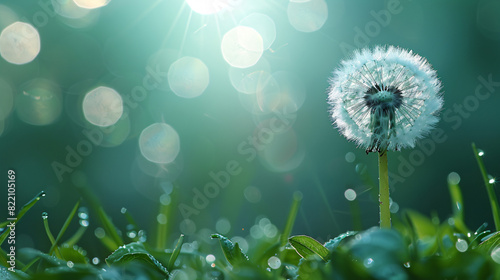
(307, 16)
(19, 43)
(264, 25)
(242, 47)
(39, 103)
(188, 77)
(102, 106)
(91, 4)
(159, 143)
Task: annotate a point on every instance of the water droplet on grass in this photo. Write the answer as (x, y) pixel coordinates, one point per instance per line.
(96, 261)
(461, 245)
(123, 210)
(84, 223)
(83, 213)
(131, 234)
(70, 264)
(480, 152)
(210, 258)
(45, 215)
(274, 262)
(491, 179)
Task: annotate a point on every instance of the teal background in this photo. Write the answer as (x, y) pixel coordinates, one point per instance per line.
(459, 38)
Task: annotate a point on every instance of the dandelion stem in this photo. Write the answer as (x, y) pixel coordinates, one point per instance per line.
(385, 214)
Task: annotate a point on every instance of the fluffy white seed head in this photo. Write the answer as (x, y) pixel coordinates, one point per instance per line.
(385, 98)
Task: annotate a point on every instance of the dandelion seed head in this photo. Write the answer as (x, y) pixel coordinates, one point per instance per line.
(385, 98)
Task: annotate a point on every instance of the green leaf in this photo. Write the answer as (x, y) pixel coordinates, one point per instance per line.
(134, 251)
(233, 253)
(332, 244)
(490, 242)
(307, 247)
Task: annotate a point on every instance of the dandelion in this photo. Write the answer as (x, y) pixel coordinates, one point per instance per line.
(385, 99)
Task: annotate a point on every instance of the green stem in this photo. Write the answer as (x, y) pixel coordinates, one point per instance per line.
(383, 173)
(495, 209)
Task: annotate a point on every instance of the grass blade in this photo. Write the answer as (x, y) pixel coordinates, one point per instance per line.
(49, 233)
(65, 226)
(292, 215)
(307, 247)
(489, 188)
(21, 213)
(175, 253)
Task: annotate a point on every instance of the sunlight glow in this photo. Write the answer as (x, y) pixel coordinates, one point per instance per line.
(19, 43)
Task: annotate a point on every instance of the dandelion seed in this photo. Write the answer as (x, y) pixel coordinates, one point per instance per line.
(385, 98)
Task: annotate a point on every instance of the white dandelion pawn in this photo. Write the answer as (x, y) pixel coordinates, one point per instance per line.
(385, 98)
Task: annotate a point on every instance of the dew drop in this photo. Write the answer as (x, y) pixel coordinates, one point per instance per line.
(274, 262)
(407, 264)
(45, 215)
(132, 234)
(70, 264)
(84, 223)
(96, 261)
(123, 210)
(210, 258)
(42, 194)
(491, 179)
(461, 245)
(83, 213)
(480, 152)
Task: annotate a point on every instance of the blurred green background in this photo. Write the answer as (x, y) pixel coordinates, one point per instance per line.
(217, 110)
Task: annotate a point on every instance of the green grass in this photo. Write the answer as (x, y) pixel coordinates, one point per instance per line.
(416, 247)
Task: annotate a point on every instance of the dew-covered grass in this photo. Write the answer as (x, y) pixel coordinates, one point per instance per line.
(415, 247)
